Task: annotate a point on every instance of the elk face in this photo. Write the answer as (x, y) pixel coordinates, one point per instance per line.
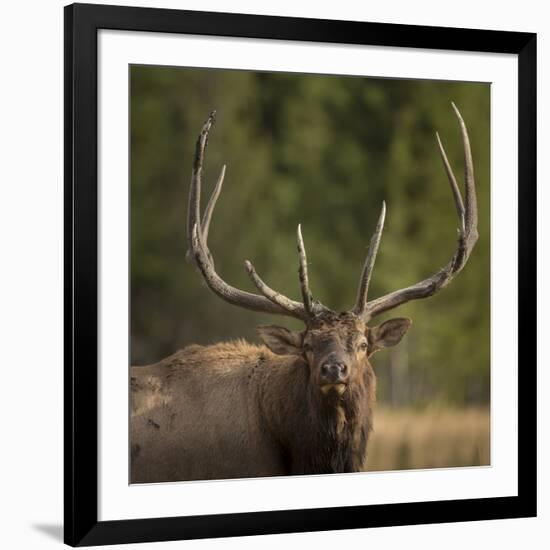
(335, 347)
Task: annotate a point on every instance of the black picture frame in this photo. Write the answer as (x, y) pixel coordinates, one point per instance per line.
(81, 25)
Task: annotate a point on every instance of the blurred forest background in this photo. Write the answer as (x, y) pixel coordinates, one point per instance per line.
(323, 151)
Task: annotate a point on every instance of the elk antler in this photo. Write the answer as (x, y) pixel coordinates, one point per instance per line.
(197, 236)
(363, 289)
(467, 237)
(272, 301)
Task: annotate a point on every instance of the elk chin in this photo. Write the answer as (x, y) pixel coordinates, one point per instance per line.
(338, 388)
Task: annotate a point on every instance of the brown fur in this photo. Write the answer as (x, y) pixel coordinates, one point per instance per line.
(236, 410)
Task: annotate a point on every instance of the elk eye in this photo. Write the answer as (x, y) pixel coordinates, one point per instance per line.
(363, 346)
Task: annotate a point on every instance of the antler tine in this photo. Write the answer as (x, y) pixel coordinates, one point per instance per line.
(362, 291)
(197, 235)
(205, 223)
(273, 295)
(211, 204)
(467, 237)
(302, 271)
(452, 180)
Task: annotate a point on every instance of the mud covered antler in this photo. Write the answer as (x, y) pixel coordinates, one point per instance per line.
(467, 237)
(269, 301)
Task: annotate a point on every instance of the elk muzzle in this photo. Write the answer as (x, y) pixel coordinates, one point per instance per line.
(334, 375)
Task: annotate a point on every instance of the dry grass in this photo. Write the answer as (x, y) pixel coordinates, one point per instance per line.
(433, 438)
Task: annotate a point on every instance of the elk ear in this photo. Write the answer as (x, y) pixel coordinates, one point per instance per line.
(387, 334)
(281, 340)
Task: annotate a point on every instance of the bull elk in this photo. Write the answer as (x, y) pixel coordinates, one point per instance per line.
(301, 403)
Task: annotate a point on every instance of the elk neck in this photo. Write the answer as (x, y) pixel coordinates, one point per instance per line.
(317, 433)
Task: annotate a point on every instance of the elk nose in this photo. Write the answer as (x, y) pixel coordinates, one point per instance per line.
(334, 371)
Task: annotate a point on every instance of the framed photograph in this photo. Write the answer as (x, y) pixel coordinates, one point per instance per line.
(299, 268)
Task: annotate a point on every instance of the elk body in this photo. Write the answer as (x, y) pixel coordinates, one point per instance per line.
(301, 403)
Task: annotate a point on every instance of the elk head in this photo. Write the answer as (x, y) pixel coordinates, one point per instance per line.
(335, 346)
